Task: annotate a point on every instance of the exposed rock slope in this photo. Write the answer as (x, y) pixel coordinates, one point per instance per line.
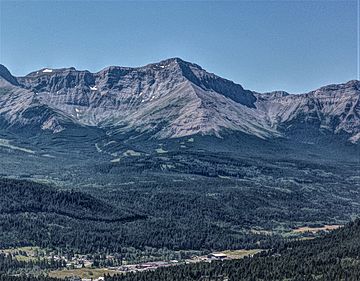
(170, 99)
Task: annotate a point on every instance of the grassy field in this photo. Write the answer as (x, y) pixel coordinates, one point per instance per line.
(238, 254)
(316, 229)
(17, 253)
(82, 273)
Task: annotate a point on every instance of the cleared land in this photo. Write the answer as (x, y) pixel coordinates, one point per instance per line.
(238, 254)
(82, 273)
(316, 229)
(24, 253)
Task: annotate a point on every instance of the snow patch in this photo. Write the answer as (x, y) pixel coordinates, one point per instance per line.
(94, 88)
(47, 70)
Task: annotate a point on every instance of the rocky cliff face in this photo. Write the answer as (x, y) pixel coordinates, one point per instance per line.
(171, 99)
(330, 109)
(6, 77)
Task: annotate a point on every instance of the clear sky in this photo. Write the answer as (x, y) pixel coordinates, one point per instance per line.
(295, 46)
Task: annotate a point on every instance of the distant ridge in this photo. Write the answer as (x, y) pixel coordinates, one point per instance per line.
(172, 99)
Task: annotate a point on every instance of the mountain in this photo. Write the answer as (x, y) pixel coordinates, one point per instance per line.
(169, 157)
(333, 109)
(6, 76)
(173, 99)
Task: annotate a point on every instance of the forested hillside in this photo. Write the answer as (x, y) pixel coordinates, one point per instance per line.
(29, 197)
(36, 214)
(26, 278)
(33, 214)
(334, 257)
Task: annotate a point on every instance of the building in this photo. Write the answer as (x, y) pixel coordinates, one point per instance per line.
(217, 256)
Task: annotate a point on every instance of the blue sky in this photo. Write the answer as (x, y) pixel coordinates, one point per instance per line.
(264, 45)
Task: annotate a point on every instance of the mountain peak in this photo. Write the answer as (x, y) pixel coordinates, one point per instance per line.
(5, 74)
(52, 71)
(195, 101)
(172, 60)
(352, 85)
(178, 61)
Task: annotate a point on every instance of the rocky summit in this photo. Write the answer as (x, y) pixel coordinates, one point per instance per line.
(172, 99)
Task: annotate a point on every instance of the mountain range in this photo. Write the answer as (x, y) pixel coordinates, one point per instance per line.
(171, 156)
(172, 99)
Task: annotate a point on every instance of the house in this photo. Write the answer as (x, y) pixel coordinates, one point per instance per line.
(217, 256)
(73, 278)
